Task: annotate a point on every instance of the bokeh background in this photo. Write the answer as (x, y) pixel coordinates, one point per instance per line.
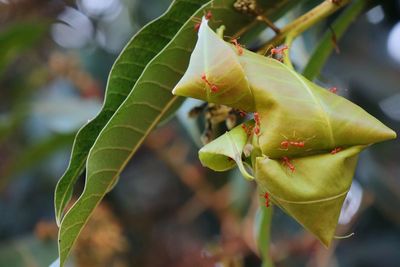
(166, 209)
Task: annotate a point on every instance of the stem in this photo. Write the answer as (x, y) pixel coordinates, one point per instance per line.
(301, 24)
(272, 13)
(263, 220)
(269, 23)
(286, 56)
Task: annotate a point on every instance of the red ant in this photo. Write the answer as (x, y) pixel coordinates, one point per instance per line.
(207, 16)
(279, 51)
(286, 161)
(336, 150)
(285, 144)
(247, 129)
(241, 113)
(267, 201)
(333, 90)
(239, 48)
(257, 120)
(213, 87)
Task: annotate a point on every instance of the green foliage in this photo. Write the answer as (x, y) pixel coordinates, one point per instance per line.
(138, 97)
(226, 153)
(127, 69)
(290, 107)
(312, 186)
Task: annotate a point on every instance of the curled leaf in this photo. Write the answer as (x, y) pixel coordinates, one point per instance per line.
(290, 107)
(212, 67)
(308, 139)
(314, 193)
(226, 151)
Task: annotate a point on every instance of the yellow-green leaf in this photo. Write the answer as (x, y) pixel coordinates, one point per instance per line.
(314, 192)
(226, 151)
(290, 107)
(128, 67)
(306, 152)
(116, 136)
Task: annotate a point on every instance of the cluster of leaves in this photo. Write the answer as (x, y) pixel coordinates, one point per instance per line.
(290, 108)
(305, 151)
(138, 97)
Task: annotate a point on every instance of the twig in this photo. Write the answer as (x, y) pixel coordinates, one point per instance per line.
(269, 23)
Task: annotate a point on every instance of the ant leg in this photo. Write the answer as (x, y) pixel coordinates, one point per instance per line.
(284, 136)
(268, 50)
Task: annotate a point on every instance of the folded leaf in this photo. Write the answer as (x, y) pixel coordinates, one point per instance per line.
(290, 107)
(222, 154)
(148, 102)
(313, 194)
(306, 152)
(214, 63)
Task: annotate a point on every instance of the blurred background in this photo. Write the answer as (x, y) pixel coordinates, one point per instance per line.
(54, 61)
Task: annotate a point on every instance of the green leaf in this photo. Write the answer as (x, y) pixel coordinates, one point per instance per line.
(128, 67)
(325, 46)
(306, 152)
(314, 193)
(226, 152)
(213, 60)
(290, 107)
(131, 63)
(149, 101)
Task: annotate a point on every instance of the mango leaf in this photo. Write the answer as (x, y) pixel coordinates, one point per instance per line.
(222, 155)
(130, 64)
(143, 47)
(320, 132)
(149, 101)
(314, 193)
(290, 107)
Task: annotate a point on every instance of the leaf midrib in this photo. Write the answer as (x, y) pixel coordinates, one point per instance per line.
(316, 101)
